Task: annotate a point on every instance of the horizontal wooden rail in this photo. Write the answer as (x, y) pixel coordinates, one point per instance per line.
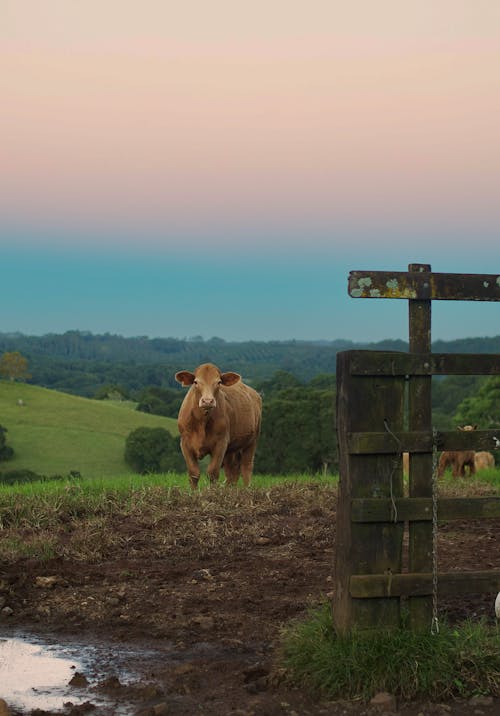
(395, 363)
(365, 443)
(363, 586)
(408, 509)
(424, 285)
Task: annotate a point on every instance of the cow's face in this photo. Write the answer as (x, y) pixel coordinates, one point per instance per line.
(206, 381)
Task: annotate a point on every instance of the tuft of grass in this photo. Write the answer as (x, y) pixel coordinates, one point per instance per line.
(458, 662)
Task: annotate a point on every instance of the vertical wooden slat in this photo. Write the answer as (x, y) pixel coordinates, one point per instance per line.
(364, 403)
(420, 479)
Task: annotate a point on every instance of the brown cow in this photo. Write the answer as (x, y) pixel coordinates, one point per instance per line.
(220, 416)
(458, 460)
(483, 460)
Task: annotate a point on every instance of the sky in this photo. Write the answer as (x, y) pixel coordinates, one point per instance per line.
(217, 168)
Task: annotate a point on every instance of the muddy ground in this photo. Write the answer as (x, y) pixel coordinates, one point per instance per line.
(190, 597)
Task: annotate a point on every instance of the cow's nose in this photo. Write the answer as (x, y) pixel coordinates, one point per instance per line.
(207, 402)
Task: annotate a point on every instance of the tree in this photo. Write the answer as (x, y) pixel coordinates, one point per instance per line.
(6, 452)
(153, 450)
(160, 401)
(14, 366)
(298, 432)
(482, 409)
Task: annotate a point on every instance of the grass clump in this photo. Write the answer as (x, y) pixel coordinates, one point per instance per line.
(460, 661)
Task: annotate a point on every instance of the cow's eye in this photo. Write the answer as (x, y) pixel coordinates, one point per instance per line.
(195, 382)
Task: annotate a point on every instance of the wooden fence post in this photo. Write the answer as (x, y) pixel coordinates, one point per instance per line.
(420, 477)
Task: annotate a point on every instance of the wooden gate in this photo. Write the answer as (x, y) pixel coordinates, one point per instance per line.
(383, 410)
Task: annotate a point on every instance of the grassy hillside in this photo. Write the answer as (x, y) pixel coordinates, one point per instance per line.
(53, 433)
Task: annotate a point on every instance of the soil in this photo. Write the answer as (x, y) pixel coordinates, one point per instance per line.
(190, 599)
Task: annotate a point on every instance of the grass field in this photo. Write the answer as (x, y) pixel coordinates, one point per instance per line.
(54, 433)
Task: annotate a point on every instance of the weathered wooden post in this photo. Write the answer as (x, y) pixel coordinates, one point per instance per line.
(420, 474)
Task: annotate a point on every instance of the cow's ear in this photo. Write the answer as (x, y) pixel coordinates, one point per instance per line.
(184, 377)
(230, 378)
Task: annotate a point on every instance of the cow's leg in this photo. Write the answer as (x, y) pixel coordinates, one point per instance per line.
(247, 457)
(231, 467)
(215, 464)
(192, 466)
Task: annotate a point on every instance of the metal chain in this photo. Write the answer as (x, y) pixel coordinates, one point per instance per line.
(434, 622)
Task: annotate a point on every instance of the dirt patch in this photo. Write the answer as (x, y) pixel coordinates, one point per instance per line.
(198, 590)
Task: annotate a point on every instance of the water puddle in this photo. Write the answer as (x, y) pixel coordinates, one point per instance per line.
(35, 674)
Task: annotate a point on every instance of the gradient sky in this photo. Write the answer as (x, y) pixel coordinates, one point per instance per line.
(217, 168)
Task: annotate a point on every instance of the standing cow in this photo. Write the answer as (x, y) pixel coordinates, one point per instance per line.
(483, 460)
(220, 416)
(458, 460)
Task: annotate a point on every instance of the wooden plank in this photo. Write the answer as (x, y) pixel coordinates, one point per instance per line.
(407, 509)
(362, 403)
(420, 441)
(397, 363)
(363, 586)
(424, 285)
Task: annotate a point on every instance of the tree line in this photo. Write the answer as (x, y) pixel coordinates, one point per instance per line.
(82, 363)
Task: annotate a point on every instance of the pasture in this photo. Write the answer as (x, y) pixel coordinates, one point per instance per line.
(53, 433)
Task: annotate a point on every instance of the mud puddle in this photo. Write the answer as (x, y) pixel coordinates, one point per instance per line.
(54, 677)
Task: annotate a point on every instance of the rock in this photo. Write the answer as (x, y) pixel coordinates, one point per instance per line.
(383, 701)
(160, 709)
(4, 709)
(78, 681)
(46, 582)
(7, 612)
(481, 701)
(203, 622)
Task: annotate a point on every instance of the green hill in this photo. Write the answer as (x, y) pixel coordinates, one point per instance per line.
(54, 433)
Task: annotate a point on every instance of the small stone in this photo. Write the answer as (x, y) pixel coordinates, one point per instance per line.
(46, 582)
(160, 709)
(481, 701)
(78, 681)
(204, 623)
(383, 701)
(7, 612)
(183, 669)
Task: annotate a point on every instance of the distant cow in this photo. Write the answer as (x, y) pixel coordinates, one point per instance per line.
(483, 460)
(458, 460)
(220, 416)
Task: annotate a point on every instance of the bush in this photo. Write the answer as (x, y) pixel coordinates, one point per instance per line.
(17, 476)
(6, 452)
(153, 450)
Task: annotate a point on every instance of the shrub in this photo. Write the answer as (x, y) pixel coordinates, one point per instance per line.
(6, 452)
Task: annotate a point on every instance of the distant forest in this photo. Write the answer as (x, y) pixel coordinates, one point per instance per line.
(84, 364)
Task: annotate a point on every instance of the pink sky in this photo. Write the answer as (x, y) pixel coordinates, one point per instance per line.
(157, 119)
